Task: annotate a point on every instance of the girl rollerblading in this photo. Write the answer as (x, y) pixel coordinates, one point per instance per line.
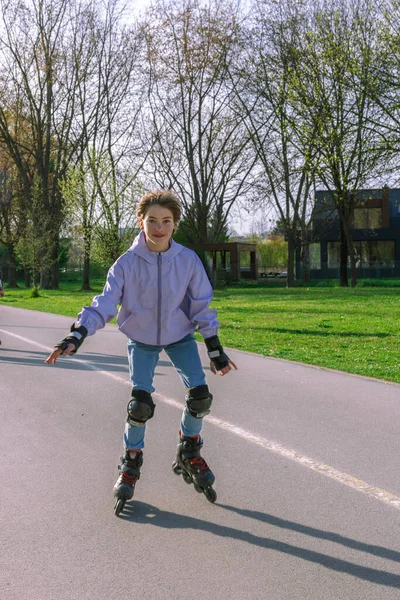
(164, 296)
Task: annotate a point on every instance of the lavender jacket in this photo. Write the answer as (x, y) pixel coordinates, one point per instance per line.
(164, 296)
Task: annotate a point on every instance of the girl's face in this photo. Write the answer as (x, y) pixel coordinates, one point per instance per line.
(158, 226)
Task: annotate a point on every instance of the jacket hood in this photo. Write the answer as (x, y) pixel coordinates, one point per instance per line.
(140, 248)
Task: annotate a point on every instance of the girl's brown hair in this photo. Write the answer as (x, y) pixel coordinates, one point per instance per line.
(163, 198)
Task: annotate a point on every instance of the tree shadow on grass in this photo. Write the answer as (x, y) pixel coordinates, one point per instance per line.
(344, 334)
(139, 512)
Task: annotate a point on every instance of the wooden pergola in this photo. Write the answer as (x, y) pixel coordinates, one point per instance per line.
(234, 248)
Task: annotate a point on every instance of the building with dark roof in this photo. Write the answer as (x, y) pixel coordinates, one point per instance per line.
(375, 233)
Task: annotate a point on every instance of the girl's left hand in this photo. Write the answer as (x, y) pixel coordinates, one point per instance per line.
(225, 370)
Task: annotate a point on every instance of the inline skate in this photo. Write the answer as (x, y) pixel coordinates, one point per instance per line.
(193, 468)
(129, 474)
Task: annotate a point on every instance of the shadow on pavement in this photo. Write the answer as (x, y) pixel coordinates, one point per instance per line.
(50, 327)
(317, 533)
(139, 512)
(104, 361)
(107, 362)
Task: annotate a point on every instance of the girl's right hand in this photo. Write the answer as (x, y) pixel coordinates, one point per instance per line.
(52, 358)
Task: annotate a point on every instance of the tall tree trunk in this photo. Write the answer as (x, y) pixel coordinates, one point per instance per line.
(12, 268)
(291, 260)
(45, 279)
(305, 261)
(86, 263)
(49, 273)
(44, 256)
(54, 276)
(27, 277)
(351, 251)
(202, 229)
(353, 266)
(54, 270)
(86, 274)
(344, 281)
(36, 277)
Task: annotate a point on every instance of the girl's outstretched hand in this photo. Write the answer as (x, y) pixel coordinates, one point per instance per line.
(52, 358)
(225, 370)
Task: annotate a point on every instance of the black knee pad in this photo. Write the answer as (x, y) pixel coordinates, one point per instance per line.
(198, 401)
(140, 408)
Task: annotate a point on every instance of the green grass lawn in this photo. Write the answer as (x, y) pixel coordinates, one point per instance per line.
(354, 330)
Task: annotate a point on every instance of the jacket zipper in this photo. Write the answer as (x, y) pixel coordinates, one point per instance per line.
(159, 298)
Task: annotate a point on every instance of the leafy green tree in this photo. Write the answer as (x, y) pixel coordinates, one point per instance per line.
(13, 216)
(385, 85)
(65, 81)
(32, 52)
(273, 253)
(82, 210)
(332, 92)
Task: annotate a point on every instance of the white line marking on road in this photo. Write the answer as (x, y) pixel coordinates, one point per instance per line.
(357, 484)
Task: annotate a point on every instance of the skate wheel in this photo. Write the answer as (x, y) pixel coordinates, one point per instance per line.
(210, 494)
(177, 469)
(119, 506)
(186, 477)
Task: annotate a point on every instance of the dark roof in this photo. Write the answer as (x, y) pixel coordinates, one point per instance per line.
(224, 246)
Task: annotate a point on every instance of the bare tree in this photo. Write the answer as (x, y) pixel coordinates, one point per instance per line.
(283, 142)
(198, 143)
(105, 176)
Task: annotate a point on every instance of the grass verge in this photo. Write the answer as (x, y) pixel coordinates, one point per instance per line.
(353, 330)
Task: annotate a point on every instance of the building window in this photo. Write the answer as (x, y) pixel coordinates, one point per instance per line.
(333, 255)
(372, 254)
(375, 254)
(315, 256)
(367, 218)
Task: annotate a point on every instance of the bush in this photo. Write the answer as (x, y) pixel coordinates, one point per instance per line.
(390, 283)
(35, 292)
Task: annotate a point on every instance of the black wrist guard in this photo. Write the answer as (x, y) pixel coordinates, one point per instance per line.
(76, 338)
(216, 353)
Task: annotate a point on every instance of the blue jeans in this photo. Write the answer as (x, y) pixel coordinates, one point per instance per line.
(143, 359)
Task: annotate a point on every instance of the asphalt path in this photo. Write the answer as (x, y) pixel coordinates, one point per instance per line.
(307, 475)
